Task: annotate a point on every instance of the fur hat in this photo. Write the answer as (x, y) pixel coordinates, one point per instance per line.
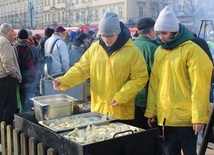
(145, 23)
(49, 32)
(22, 34)
(167, 21)
(59, 29)
(109, 24)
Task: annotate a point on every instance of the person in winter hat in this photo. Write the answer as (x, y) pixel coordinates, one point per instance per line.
(73, 35)
(113, 86)
(59, 52)
(22, 34)
(41, 49)
(92, 35)
(179, 85)
(109, 24)
(167, 21)
(85, 37)
(49, 32)
(76, 51)
(27, 55)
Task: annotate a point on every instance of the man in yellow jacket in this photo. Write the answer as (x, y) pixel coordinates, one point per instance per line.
(116, 68)
(179, 85)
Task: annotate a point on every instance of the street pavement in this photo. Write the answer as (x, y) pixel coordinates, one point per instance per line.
(209, 150)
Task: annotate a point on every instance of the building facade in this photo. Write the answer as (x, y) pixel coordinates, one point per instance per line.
(38, 14)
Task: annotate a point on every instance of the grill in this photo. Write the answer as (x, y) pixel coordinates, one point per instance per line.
(134, 143)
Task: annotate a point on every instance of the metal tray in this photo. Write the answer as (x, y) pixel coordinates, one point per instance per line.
(74, 121)
(53, 106)
(100, 132)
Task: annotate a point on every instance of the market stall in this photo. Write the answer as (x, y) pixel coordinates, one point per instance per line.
(87, 133)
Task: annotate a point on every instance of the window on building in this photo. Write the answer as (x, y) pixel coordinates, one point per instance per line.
(63, 16)
(49, 18)
(104, 11)
(77, 17)
(120, 12)
(180, 8)
(45, 18)
(58, 17)
(154, 10)
(140, 11)
(96, 16)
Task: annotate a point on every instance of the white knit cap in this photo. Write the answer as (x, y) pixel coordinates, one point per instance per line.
(167, 21)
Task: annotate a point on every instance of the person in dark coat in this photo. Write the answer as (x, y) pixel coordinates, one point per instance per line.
(92, 35)
(48, 34)
(85, 37)
(146, 43)
(28, 70)
(41, 48)
(76, 51)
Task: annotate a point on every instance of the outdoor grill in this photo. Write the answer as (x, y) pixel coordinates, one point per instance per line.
(139, 142)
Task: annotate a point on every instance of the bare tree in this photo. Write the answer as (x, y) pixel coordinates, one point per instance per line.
(86, 13)
(158, 5)
(195, 10)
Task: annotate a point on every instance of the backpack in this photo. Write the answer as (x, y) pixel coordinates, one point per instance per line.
(26, 65)
(48, 59)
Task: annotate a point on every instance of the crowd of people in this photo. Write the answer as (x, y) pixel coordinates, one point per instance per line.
(161, 79)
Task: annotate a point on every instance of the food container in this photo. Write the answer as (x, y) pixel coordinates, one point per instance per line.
(53, 106)
(137, 143)
(66, 123)
(100, 132)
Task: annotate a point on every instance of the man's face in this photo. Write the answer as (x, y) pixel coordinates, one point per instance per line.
(153, 34)
(165, 36)
(61, 34)
(87, 40)
(109, 40)
(11, 35)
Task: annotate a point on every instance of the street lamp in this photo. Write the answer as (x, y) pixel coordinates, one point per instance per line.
(31, 10)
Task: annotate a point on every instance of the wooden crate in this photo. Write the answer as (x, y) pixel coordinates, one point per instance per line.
(13, 142)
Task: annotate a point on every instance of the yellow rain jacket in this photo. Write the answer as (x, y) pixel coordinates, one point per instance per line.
(180, 86)
(119, 76)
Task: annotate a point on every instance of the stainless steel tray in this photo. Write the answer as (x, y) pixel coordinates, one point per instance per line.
(63, 124)
(53, 106)
(100, 132)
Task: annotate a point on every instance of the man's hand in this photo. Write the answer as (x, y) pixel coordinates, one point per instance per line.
(114, 103)
(56, 84)
(151, 121)
(197, 128)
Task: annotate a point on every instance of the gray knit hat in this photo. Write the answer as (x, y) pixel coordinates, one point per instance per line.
(167, 21)
(109, 24)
